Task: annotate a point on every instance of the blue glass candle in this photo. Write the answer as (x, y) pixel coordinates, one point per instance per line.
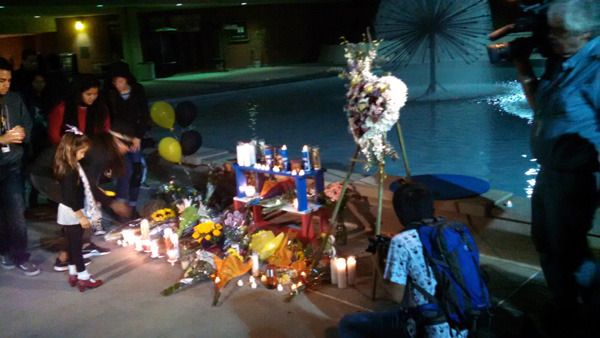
(306, 158)
(285, 161)
(269, 156)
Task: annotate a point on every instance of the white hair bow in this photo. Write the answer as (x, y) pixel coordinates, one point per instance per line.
(73, 130)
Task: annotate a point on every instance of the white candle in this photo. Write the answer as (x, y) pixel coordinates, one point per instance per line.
(255, 264)
(293, 287)
(251, 280)
(301, 172)
(240, 283)
(154, 249)
(250, 191)
(333, 270)
(253, 285)
(341, 273)
(185, 264)
(279, 287)
(172, 256)
(351, 266)
(138, 244)
(217, 280)
(145, 229)
(175, 250)
(147, 245)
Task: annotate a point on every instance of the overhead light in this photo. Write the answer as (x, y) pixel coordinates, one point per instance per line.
(99, 5)
(37, 16)
(1, 6)
(244, 3)
(79, 25)
(179, 4)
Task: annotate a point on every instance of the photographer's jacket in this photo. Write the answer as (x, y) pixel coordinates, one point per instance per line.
(12, 105)
(566, 126)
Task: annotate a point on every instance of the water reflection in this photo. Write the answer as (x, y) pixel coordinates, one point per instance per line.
(512, 101)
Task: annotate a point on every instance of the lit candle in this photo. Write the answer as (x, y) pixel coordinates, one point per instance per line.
(154, 249)
(251, 280)
(174, 238)
(333, 270)
(145, 229)
(250, 191)
(253, 285)
(341, 273)
(284, 158)
(279, 287)
(301, 172)
(263, 279)
(185, 264)
(294, 172)
(172, 256)
(138, 244)
(293, 287)
(351, 266)
(240, 283)
(217, 280)
(147, 245)
(255, 264)
(306, 158)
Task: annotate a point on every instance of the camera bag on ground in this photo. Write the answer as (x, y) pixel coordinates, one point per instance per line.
(461, 293)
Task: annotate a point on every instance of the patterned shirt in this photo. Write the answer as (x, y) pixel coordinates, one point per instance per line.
(405, 260)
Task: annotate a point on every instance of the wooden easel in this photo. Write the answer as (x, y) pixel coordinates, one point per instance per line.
(336, 210)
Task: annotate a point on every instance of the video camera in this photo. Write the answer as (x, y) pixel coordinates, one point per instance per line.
(532, 18)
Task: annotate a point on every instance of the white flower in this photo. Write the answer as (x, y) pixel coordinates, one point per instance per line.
(373, 103)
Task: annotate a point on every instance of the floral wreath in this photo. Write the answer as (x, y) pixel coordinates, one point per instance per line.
(373, 103)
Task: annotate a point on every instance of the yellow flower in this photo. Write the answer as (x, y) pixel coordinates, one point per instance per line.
(169, 213)
(219, 226)
(205, 227)
(208, 237)
(216, 232)
(195, 235)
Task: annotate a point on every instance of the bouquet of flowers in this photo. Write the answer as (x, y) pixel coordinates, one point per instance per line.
(208, 233)
(373, 103)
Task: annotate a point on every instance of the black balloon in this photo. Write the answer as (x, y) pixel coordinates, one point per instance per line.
(185, 113)
(191, 141)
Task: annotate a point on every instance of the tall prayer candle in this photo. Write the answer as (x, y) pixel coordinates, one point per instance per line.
(284, 158)
(154, 248)
(145, 229)
(341, 273)
(255, 264)
(333, 270)
(351, 266)
(306, 158)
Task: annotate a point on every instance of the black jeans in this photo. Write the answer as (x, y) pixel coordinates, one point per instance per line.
(13, 228)
(563, 207)
(74, 235)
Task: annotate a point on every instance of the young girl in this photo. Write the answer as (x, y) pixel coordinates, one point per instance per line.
(78, 207)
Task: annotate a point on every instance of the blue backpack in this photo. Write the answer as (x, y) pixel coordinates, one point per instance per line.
(461, 293)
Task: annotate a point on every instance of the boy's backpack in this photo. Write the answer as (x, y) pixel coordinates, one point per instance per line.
(461, 293)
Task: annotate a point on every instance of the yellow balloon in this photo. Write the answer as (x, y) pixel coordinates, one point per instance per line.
(163, 114)
(170, 149)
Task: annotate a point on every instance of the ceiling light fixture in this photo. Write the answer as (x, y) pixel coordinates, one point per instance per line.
(99, 5)
(37, 16)
(179, 4)
(244, 3)
(79, 25)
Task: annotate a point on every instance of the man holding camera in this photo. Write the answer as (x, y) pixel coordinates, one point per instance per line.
(565, 139)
